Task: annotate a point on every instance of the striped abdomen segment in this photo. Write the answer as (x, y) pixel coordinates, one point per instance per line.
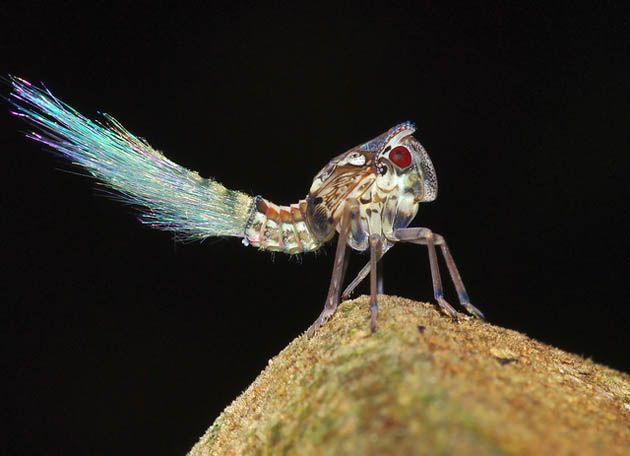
(279, 228)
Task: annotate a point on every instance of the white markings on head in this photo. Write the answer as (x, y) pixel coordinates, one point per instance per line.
(356, 159)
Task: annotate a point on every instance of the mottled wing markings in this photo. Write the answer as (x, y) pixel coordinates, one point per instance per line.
(336, 183)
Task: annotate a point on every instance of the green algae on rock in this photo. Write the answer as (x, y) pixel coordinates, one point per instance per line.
(423, 384)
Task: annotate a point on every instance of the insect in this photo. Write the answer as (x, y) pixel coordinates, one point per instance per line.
(368, 195)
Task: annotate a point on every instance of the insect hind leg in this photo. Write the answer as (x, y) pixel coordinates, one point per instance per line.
(350, 212)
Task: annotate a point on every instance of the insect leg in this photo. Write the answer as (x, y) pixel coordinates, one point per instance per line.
(457, 279)
(437, 280)
(375, 250)
(380, 285)
(426, 236)
(363, 273)
(350, 212)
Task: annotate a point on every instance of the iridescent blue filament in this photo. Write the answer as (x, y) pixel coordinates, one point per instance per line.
(169, 197)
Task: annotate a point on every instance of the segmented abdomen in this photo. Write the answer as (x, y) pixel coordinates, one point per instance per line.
(279, 228)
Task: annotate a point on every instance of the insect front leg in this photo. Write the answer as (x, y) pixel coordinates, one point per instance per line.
(376, 245)
(363, 273)
(350, 212)
(425, 236)
(457, 279)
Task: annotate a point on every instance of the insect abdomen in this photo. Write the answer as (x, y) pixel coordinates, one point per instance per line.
(279, 228)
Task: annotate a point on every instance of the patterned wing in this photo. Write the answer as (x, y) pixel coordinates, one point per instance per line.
(346, 176)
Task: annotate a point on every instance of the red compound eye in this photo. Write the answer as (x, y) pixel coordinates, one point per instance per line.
(400, 156)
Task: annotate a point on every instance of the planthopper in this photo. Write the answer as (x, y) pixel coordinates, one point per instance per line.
(368, 195)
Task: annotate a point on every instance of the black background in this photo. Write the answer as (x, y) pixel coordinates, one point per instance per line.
(118, 340)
